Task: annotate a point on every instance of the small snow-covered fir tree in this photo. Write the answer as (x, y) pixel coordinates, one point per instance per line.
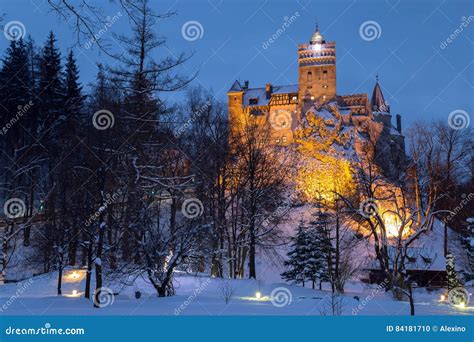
(451, 272)
(297, 256)
(309, 258)
(468, 242)
(319, 261)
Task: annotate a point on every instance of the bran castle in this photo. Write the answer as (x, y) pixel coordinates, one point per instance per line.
(283, 107)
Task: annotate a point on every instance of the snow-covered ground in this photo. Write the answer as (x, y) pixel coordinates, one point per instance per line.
(201, 295)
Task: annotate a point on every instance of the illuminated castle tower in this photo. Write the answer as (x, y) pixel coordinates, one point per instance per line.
(317, 69)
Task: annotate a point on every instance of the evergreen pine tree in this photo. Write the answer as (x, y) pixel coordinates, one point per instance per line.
(451, 272)
(469, 243)
(51, 117)
(321, 251)
(74, 98)
(14, 93)
(297, 256)
(51, 92)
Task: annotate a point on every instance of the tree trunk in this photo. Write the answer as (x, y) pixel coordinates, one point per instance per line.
(412, 304)
(89, 271)
(336, 270)
(98, 266)
(60, 278)
(445, 239)
(252, 268)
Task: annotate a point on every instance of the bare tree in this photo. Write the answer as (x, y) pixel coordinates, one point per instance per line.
(227, 291)
(258, 177)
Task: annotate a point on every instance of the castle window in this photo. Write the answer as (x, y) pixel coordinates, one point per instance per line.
(277, 141)
(325, 74)
(284, 139)
(253, 101)
(309, 77)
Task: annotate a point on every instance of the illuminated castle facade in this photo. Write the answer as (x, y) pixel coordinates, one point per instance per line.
(282, 107)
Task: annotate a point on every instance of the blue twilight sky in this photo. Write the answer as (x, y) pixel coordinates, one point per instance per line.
(422, 75)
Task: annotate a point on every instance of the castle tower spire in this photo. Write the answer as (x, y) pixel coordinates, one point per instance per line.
(317, 37)
(317, 69)
(377, 101)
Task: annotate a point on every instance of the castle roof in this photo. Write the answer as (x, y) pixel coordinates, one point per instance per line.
(377, 103)
(236, 87)
(260, 95)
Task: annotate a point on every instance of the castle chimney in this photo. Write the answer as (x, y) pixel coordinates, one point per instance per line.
(399, 123)
(268, 90)
(246, 84)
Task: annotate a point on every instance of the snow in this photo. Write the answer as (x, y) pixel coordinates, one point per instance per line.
(200, 295)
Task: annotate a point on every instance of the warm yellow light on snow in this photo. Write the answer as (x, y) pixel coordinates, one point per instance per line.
(258, 295)
(74, 276)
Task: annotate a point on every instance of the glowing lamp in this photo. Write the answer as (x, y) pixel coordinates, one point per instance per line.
(442, 298)
(462, 305)
(74, 292)
(258, 295)
(74, 275)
